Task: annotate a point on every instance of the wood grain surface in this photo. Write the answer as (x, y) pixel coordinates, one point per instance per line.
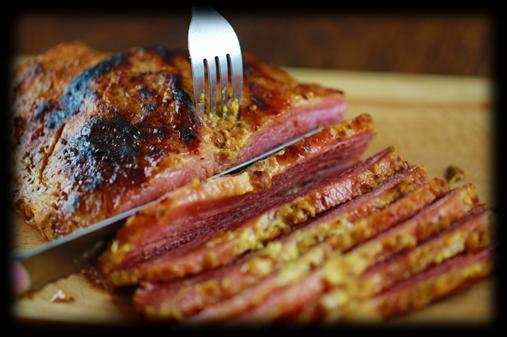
(433, 120)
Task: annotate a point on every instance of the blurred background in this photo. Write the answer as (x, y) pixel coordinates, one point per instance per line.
(411, 43)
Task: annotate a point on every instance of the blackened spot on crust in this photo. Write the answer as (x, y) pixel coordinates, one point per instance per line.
(73, 200)
(113, 152)
(260, 102)
(146, 93)
(247, 68)
(79, 89)
(180, 96)
(187, 135)
(42, 108)
(149, 108)
(184, 107)
(105, 152)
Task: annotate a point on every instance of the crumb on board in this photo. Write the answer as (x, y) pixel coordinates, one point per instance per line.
(454, 174)
(61, 297)
(96, 278)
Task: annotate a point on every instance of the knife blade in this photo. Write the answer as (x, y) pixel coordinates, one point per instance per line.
(71, 253)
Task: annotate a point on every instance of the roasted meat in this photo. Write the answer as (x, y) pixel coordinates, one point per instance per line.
(341, 271)
(190, 295)
(358, 259)
(426, 287)
(313, 233)
(202, 226)
(96, 133)
(317, 267)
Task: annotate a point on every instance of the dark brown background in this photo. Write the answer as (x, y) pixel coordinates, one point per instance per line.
(422, 43)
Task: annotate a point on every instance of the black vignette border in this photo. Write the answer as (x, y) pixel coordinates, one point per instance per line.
(491, 8)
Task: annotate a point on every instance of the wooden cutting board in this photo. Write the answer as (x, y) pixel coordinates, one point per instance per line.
(435, 121)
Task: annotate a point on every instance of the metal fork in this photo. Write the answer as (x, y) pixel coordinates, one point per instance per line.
(214, 51)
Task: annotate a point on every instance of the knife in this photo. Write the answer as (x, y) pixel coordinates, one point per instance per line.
(71, 253)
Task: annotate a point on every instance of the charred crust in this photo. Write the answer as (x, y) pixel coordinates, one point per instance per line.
(187, 130)
(187, 135)
(42, 108)
(73, 200)
(113, 152)
(79, 89)
(247, 68)
(260, 102)
(149, 108)
(145, 92)
(105, 152)
(182, 99)
(139, 121)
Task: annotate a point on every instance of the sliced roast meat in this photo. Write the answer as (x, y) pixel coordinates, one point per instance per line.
(469, 234)
(420, 290)
(189, 295)
(97, 133)
(343, 270)
(173, 238)
(253, 232)
(326, 259)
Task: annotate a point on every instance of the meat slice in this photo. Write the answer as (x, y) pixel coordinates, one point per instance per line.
(164, 242)
(470, 234)
(424, 288)
(96, 133)
(184, 297)
(325, 265)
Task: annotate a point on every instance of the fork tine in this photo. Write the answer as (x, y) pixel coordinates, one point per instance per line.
(213, 40)
(198, 81)
(236, 63)
(212, 83)
(224, 82)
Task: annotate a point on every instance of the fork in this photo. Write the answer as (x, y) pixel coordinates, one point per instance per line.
(216, 60)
